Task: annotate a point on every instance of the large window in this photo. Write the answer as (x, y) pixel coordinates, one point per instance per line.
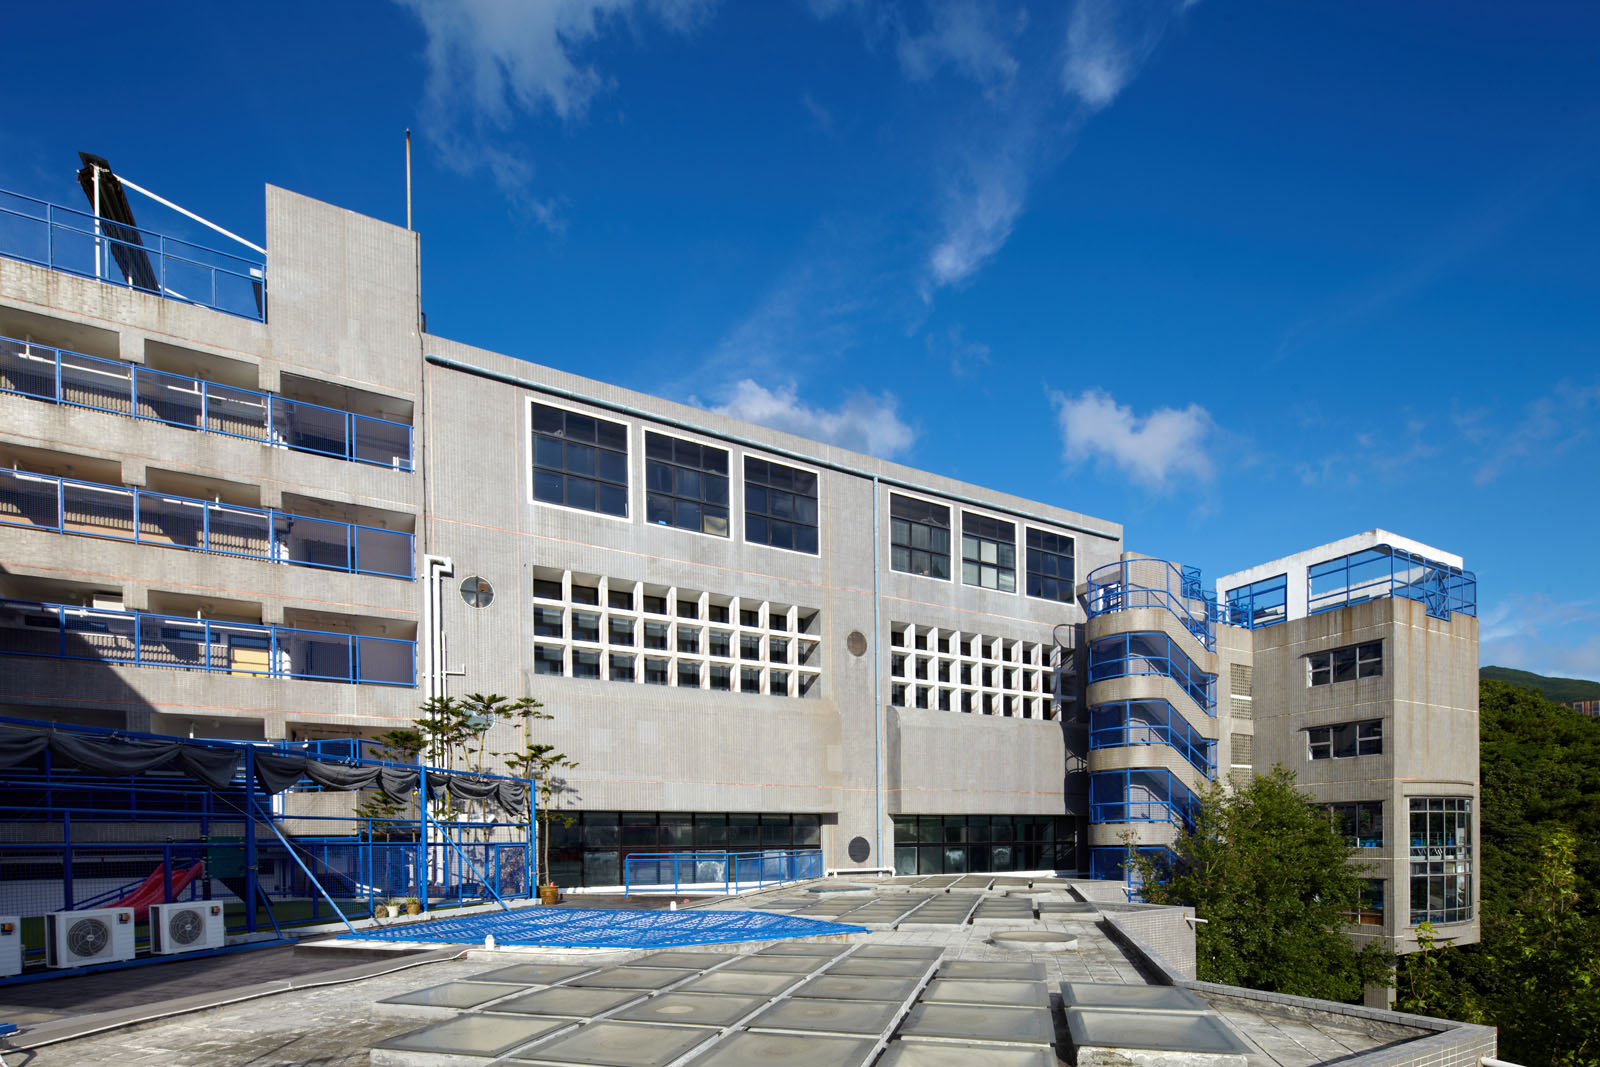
(1050, 566)
(1345, 739)
(1360, 824)
(1346, 664)
(686, 485)
(919, 537)
(957, 844)
(1369, 906)
(988, 553)
(1441, 859)
(780, 506)
(590, 848)
(579, 461)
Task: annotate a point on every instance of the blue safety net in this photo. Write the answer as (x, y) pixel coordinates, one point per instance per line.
(608, 928)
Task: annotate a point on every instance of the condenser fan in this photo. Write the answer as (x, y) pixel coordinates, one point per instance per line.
(185, 927)
(88, 937)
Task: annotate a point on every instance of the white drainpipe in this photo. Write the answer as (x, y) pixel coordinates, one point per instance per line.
(433, 675)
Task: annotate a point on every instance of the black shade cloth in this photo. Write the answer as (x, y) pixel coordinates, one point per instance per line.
(276, 772)
(118, 757)
(511, 796)
(17, 746)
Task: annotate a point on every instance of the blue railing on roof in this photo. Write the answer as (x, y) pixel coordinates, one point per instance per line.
(72, 378)
(1259, 604)
(65, 505)
(1141, 796)
(76, 242)
(1150, 722)
(142, 639)
(1384, 571)
(1155, 583)
(1135, 654)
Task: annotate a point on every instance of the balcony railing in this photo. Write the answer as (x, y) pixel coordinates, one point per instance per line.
(1150, 722)
(63, 505)
(1141, 796)
(731, 872)
(76, 242)
(1134, 654)
(72, 378)
(1155, 583)
(1386, 571)
(141, 639)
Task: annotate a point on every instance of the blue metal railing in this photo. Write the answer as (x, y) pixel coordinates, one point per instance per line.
(61, 376)
(1384, 571)
(142, 639)
(1126, 655)
(732, 871)
(69, 506)
(1141, 796)
(1150, 722)
(76, 242)
(1259, 604)
(1155, 583)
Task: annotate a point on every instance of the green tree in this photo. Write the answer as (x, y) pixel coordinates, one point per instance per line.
(396, 746)
(547, 768)
(1274, 883)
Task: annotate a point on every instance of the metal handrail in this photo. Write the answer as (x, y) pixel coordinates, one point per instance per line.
(1180, 736)
(793, 865)
(1155, 583)
(188, 644)
(176, 262)
(274, 524)
(1115, 657)
(43, 372)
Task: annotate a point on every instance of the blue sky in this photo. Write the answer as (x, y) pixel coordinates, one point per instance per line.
(1244, 278)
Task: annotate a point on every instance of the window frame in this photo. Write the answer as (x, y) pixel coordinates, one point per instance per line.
(1346, 663)
(766, 515)
(909, 547)
(1345, 740)
(674, 497)
(982, 539)
(532, 467)
(1029, 573)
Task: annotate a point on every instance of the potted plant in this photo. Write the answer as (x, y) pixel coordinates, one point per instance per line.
(549, 894)
(413, 906)
(380, 911)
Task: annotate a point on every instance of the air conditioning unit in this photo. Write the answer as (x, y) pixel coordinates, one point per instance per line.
(76, 938)
(186, 927)
(10, 945)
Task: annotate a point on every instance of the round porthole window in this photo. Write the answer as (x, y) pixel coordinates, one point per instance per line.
(477, 592)
(856, 643)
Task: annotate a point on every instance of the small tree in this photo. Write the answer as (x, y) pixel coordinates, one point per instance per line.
(453, 730)
(1274, 883)
(395, 746)
(545, 766)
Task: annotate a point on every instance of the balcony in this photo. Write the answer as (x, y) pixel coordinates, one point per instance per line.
(76, 380)
(89, 509)
(1129, 655)
(77, 242)
(1150, 722)
(142, 639)
(1155, 583)
(1141, 796)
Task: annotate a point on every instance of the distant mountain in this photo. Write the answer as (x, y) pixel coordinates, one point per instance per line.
(1561, 690)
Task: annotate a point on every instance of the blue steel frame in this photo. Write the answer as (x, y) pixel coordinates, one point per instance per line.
(63, 231)
(611, 928)
(1164, 798)
(1133, 654)
(191, 635)
(201, 397)
(1109, 727)
(1155, 583)
(270, 518)
(1259, 604)
(738, 869)
(243, 799)
(1385, 571)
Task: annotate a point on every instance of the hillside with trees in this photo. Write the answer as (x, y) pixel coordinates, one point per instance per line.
(1561, 690)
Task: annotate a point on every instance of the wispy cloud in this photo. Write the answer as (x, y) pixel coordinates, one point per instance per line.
(962, 355)
(1550, 426)
(491, 61)
(1150, 449)
(862, 423)
(964, 36)
(1107, 42)
(981, 209)
(1387, 454)
(1541, 634)
(821, 116)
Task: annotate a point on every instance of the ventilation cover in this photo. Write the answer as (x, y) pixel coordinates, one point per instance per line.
(77, 938)
(186, 927)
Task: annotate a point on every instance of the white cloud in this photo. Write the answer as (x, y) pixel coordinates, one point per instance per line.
(963, 35)
(980, 213)
(1550, 425)
(1150, 449)
(863, 423)
(490, 60)
(1107, 42)
(1541, 634)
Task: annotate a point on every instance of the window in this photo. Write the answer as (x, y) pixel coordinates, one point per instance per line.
(1441, 859)
(621, 631)
(655, 635)
(585, 664)
(919, 537)
(721, 677)
(988, 553)
(1050, 566)
(579, 461)
(655, 671)
(620, 599)
(686, 485)
(585, 627)
(749, 646)
(547, 588)
(621, 667)
(1346, 739)
(546, 660)
(688, 676)
(721, 643)
(547, 622)
(689, 639)
(780, 506)
(1345, 664)
(1360, 824)
(749, 680)
(777, 650)
(1369, 906)
(585, 594)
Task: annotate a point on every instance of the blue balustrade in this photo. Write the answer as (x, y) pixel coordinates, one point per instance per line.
(65, 505)
(1141, 796)
(142, 639)
(1385, 571)
(1150, 722)
(724, 872)
(1135, 654)
(1155, 583)
(71, 378)
(76, 242)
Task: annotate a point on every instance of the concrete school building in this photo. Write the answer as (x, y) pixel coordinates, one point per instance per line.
(250, 497)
